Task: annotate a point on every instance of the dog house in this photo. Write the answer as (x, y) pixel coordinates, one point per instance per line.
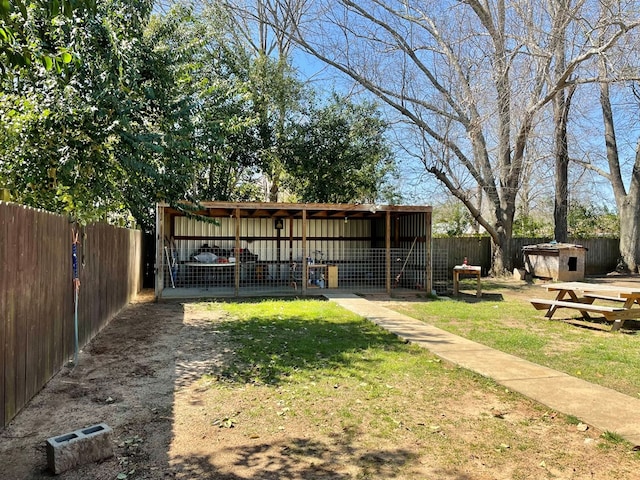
(557, 261)
(221, 249)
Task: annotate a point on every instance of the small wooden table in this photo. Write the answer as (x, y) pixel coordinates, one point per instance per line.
(459, 270)
(581, 296)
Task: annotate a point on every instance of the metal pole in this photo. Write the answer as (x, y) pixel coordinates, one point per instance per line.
(76, 287)
(75, 326)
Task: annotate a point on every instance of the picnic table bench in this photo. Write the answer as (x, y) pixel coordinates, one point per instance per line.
(581, 296)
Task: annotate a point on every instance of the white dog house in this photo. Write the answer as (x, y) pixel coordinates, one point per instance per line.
(248, 249)
(557, 261)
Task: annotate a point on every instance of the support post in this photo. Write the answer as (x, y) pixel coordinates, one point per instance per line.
(305, 267)
(159, 270)
(237, 254)
(428, 274)
(387, 247)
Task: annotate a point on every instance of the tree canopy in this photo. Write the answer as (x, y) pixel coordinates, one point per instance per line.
(337, 154)
(33, 32)
(166, 107)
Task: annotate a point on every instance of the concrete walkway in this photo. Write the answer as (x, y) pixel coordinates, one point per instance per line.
(600, 407)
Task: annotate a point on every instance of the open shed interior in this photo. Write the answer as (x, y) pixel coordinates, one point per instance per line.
(235, 249)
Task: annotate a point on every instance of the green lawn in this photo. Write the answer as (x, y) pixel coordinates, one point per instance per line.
(505, 320)
(336, 393)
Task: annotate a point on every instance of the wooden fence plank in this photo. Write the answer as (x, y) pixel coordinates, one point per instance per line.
(23, 231)
(4, 281)
(601, 256)
(32, 289)
(64, 287)
(36, 296)
(11, 299)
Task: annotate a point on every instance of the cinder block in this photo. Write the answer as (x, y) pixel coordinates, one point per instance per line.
(80, 447)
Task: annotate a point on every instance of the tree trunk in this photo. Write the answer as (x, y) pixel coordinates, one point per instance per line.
(628, 202)
(561, 204)
(476, 224)
(561, 102)
(629, 229)
(275, 188)
(501, 245)
(501, 257)
(629, 213)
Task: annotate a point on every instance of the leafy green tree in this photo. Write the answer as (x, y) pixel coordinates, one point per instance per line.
(338, 154)
(259, 35)
(451, 219)
(34, 32)
(530, 226)
(256, 59)
(252, 120)
(588, 221)
(168, 108)
(223, 142)
(106, 141)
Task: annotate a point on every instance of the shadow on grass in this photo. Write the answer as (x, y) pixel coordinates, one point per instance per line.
(270, 349)
(490, 284)
(267, 349)
(301, 458)
(472, 298)
(600, 324)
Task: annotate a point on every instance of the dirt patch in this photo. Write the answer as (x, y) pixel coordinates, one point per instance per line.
(149, 374)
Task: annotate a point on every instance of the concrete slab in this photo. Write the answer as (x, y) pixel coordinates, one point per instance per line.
(600, 407)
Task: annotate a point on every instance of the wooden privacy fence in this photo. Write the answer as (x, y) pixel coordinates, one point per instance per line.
(37, 295)
(601, 256)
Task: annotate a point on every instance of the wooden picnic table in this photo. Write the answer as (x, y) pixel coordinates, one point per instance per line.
(581, 296)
